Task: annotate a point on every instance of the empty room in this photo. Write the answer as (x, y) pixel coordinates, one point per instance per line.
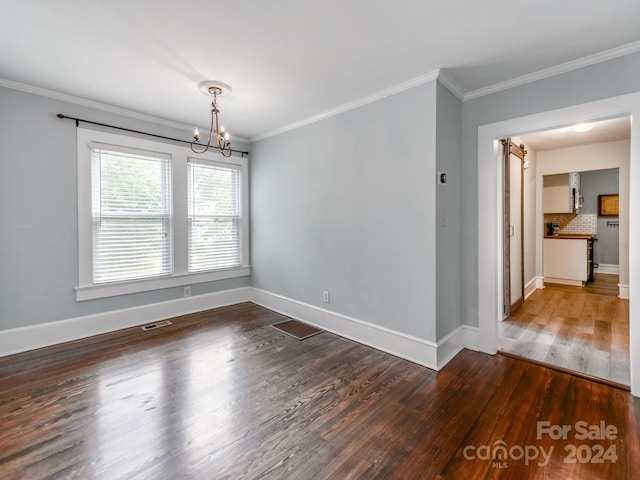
(319, 240)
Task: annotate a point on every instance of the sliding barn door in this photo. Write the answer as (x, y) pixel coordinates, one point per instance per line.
(513, 235)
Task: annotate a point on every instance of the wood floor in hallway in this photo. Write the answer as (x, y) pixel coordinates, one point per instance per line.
(223, 395)
(582, 329)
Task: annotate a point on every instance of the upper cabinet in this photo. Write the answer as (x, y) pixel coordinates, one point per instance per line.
(558, 195)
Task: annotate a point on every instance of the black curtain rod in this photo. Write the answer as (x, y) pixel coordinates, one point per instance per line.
(78, 120)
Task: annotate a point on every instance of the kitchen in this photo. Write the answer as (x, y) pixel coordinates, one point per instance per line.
(581, 218)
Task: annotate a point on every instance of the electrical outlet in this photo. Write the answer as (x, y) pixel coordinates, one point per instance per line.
(325, 296)
(187, 291)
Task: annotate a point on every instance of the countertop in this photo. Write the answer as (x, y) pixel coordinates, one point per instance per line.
(570, 236)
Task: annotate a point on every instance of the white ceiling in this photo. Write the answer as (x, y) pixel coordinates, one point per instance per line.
(609, 130)
(289, 61)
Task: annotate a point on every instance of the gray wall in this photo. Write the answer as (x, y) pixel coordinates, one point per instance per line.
(448, 203)
(38, 208)
(592, 184)
(347, 205)
(604, 80)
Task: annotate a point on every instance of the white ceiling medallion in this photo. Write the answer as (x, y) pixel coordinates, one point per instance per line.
(209, 86)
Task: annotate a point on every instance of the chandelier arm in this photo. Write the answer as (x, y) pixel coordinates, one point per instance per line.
(206, 147)
(218, 136)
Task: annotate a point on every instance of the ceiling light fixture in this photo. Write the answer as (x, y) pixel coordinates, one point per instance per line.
(222, 143)
(583, 127)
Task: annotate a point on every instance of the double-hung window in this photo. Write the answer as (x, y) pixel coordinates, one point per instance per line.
(215, 219)
(131, 214)
(151, 215)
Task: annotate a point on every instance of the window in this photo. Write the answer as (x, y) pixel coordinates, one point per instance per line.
(131, 213)
(151, 216)
(214, 216)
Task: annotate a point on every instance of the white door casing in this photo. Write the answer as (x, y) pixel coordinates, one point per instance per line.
(490, 208)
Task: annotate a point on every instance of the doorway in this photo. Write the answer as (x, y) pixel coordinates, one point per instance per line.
(582, 328)
(490, 251)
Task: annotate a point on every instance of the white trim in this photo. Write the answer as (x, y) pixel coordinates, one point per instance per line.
(530, 287)
(448, 82)
(414, 349)
(564, 281)
(409, 347)
(623, 291)
(46, 334)
(92, 292)
(555, 70)
(470, 336)
(539, 282)
(449, 346)
(180, 156)
(84, 102)
(374, 97)
(490, 216)
(608, 269)
(438, 74)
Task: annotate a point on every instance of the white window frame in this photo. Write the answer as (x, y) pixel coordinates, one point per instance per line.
(86, 289)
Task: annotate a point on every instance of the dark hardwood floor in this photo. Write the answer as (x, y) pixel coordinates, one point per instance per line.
(222, 395)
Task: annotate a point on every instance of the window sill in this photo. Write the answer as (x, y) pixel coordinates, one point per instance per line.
(91, 292)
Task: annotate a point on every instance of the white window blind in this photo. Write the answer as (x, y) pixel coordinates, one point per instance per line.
(132, 214)
(214, 211)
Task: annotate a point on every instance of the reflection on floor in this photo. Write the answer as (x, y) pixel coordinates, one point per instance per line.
(581, 329)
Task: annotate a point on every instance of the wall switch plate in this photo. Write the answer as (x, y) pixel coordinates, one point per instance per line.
(325, 297)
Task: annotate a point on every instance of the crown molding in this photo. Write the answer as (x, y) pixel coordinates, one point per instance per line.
(445, 79)
(556, 70)
(387, 92)
(83, 102)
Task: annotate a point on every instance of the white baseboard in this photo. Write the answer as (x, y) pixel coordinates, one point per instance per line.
(471, 337)
(46, 334)
(449, 347)
(564, 281)
(530, 287)
(607, 268)
(539, 282)
(623, 291)
(418, 350)
(414, 349)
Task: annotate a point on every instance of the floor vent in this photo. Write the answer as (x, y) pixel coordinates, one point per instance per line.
(153, 326)
(298, 330)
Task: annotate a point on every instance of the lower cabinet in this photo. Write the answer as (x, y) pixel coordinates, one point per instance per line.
(565, 261)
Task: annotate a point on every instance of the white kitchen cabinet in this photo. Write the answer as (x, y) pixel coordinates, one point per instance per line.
(565, 260)
(557, 195)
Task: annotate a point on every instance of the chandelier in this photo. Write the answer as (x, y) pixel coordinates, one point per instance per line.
(216, 131)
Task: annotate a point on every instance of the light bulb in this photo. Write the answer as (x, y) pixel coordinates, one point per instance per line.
(583, 127)
(196, 132)
(226, 135)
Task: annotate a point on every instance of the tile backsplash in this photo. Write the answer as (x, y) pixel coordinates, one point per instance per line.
(574, 224)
